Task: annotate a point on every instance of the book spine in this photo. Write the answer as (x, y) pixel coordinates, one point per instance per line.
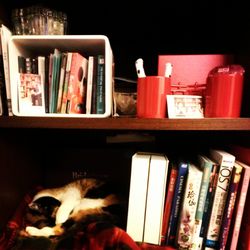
(66, 84)
(175, 210)
(77, 84)
(189, 206)
(230, 204)
(100, 91)
(222, 187)
(5, 37)
(168, 202)
(138, 195)
(4, 104)
(89, 84)
(209, 200)
(240, 206)
(206, 166)
(46, 83)
(155, 198)
(61, 82)
(41, 72)
(94, 88)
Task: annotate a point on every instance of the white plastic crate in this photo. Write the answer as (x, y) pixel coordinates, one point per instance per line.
(35, 45)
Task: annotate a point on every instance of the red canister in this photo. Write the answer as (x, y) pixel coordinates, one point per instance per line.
(223, 96)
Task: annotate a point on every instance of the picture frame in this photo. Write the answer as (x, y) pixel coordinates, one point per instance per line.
(30, 93)
(185, 106)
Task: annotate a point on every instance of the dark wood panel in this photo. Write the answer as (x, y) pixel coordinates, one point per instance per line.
(241, 124)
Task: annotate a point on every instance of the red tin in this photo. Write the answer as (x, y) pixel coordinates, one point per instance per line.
(223, 95)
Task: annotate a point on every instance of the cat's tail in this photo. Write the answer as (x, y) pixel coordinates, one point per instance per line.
(111, 200)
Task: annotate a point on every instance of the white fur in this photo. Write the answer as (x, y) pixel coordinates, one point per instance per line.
(45, 231)
(88, 203)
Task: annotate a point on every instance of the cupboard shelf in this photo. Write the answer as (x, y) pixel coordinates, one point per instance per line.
(122, 123)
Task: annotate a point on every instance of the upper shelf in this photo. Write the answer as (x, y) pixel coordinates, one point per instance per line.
(122, 123)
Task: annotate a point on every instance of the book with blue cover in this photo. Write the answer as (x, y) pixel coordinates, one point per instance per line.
(177, 200)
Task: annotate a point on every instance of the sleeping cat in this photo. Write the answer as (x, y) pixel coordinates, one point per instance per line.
(67, 203)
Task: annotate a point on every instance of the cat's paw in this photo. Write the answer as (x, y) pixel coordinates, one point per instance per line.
(45, 231)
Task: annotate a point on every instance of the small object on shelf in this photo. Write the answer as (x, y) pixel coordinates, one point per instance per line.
(184, 106)
(37, 20)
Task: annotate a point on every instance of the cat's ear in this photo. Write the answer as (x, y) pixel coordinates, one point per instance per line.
(34, 206)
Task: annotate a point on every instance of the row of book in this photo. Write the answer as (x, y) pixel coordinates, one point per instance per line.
(189, 204)
(62, 82)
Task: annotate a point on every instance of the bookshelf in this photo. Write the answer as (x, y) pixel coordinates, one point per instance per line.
(36, 149)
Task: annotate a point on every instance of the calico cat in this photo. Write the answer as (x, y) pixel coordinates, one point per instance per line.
(72, 202)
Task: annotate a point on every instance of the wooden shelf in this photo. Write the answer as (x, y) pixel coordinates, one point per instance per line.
(122, 123)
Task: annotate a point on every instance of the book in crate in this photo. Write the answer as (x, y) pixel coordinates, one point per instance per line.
(34, 46)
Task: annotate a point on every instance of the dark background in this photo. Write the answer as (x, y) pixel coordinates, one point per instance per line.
(148, 28)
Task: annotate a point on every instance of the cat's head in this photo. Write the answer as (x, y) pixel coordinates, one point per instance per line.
(42, 212)
(45, 205)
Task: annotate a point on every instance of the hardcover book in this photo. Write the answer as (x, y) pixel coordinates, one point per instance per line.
(155, 198)
(138, 195)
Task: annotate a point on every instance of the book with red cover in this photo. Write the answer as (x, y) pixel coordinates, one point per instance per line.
(77, 84)
(243, 154)
(168, 201)
(239, 208)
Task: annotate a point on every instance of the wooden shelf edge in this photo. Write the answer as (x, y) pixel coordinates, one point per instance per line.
(122, 123)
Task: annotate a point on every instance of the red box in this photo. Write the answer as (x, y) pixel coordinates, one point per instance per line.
(191, 69)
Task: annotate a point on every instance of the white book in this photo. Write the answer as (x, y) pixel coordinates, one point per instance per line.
(186, 224)
(5, 37)
(89, 84)
(155, 198)
(226, 163)
(41, 72)
(138, 195)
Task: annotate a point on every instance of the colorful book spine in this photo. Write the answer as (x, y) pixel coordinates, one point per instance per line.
(186, 224)
(77, 84)
(230, 204)
(209, 200)
(64, 106)
(226, 162)
(175, 210)
(206, 166)
(168, 202)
